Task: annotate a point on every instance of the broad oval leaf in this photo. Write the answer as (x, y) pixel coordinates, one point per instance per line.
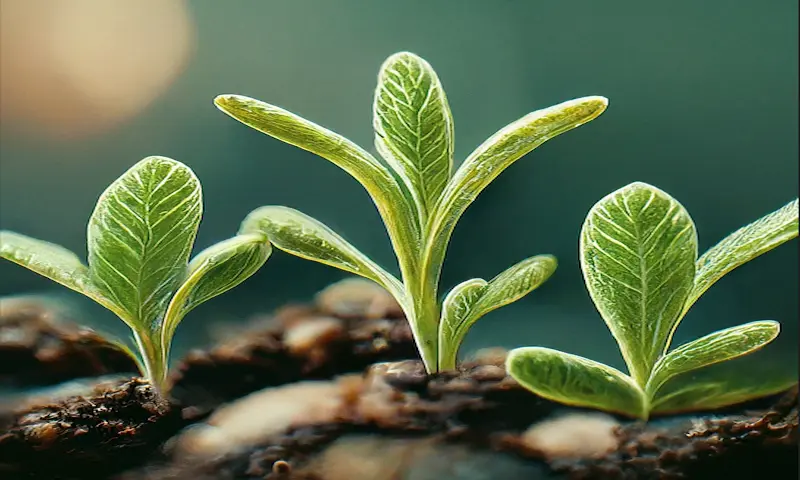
(140, 236)
(213, 272)
(414, 127)
(638, 252)
(576, 381)
(491, 158)
(297, 233)
(456, 316)
(714, 348)
(394, 202)
(744, 245)
(50, 260)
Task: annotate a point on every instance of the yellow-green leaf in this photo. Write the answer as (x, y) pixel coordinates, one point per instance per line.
(213, 272)
(140, 237)
(457, 319)
(638, 252)
(744, 245)
(576, 381)
(714, 348)
(490, 159)
(394, 202)
(297, 233)
(473, 299)
(720, 387)
(414, 127)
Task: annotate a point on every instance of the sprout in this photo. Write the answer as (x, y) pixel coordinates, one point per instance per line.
(639, 260)
(139, 240)
(419, 195)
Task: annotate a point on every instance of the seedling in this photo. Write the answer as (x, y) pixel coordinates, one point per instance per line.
(140, 237)
(419, 194)
(639, 259)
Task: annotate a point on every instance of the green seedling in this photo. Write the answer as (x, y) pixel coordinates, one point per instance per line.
(139, 240)
(419, 195)
(639, 258)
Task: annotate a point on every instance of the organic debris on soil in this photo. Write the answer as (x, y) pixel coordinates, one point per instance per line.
(481, 408)
(757, 445)
(38, 347)
(474, 404)
(351, 325)
(115, 428)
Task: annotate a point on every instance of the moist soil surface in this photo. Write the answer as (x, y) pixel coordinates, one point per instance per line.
(115, 427)
(324, 392)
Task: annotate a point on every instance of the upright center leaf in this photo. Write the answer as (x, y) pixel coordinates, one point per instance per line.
(414, 127)
(140, 238)
(638, 253)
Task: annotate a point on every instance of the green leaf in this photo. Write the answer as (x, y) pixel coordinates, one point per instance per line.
(490, 159)
(638, 252)
(576, 381)
(473, 299)
(414, 127)
(720, 387)
(394, 202)
(714, 348)
(457, 319)
(213, 272)
(140, 237)
(744, 245)
(515, 282)
(52, 261)
(297, 233)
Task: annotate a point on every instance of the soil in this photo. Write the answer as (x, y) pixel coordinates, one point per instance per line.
(350, 326)
(38, 347)
(323, 392)
(483, 412)
(116, 427)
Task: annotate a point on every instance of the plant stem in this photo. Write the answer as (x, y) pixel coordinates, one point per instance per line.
(154, 364)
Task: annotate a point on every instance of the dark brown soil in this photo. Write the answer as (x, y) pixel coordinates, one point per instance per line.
(480, 407)
(37, 347)
(88, 437)
(758, 445)
(298, 343)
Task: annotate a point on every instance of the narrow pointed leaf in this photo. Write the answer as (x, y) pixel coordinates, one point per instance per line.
(414, 127)
(718, 388)
(575, 381)
(297, 233)
(140, 236)
(394, 202)
(213, 272)
(49, 260)
(456, 319)
(714, 348)
(473, 299)
(638, 253)
(491, 158)
(515, 282)
(744, 245)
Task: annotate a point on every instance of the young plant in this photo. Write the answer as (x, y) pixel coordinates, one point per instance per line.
(639, 259)
(418, 193)
(139, 240)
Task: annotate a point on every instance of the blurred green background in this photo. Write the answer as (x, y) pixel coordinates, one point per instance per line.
(703, 103)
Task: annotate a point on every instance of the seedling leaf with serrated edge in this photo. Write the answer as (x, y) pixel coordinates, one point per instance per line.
(418, 195)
